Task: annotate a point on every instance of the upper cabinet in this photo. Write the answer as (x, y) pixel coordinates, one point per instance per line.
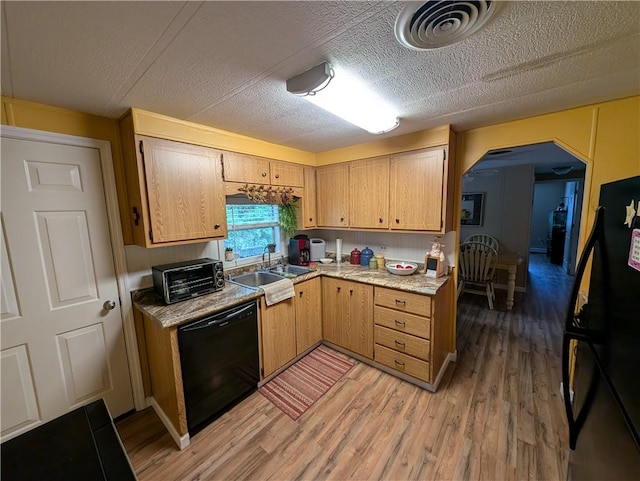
(307, 211)
(175, 191)
(332, 195)
(251, 169)
(369, 193)
(416, 190)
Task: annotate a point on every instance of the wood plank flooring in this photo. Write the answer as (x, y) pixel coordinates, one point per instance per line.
(497, 416)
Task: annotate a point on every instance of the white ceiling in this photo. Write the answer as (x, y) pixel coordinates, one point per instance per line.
(225, 64)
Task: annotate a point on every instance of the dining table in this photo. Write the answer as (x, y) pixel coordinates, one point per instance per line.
(509, 261)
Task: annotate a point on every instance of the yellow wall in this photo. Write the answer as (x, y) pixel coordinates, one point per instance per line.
(605, 136)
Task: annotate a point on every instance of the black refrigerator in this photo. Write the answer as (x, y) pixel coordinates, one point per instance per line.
(604, 412)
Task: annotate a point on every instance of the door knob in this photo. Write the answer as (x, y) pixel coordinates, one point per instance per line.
(109, 305)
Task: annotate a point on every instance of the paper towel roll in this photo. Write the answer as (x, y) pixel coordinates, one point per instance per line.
(338, 250)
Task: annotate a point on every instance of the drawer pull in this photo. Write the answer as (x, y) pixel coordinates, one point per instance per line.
(398, 301)
(400, 344)
(399, 364)
(399, 323)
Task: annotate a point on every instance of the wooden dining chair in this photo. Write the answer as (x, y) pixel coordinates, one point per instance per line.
(477, 265)
(485, 239)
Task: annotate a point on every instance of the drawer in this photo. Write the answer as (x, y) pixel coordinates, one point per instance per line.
(402, 363)
(401, 342)
(403, 322)
(403, 301)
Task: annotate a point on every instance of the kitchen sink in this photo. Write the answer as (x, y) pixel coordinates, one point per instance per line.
(289, 270)
(256, 278)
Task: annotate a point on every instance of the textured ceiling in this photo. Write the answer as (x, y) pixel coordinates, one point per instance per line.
(225, 64)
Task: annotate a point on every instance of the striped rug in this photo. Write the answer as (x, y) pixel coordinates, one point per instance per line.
(294, 390)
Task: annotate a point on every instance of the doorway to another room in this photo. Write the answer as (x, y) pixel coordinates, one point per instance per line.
(529, 198)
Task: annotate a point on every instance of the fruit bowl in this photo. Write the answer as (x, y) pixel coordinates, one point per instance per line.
(402, 268)
(326, 260)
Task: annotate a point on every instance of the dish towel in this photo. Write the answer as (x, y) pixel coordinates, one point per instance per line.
(278, 291)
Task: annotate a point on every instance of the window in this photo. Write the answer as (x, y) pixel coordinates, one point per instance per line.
(251, 227)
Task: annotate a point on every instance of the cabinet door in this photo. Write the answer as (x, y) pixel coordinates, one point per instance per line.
(333, 311)
(245, 168)
(359, 323)
(416, 185)
(332, 194)
(369, 193)
(309, 199)
(308, 314)
(284, 173)
(278, 333)
(347, 319)
(184, 191)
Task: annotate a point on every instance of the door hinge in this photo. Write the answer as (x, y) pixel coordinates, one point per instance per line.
(262, 371)
(222, 164)
(444, 152)
(141, 147)
(441, 224)
(150, 235)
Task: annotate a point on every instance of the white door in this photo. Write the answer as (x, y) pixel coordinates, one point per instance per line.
(61, 345)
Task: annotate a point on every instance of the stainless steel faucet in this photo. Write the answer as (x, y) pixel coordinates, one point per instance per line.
(268, 249)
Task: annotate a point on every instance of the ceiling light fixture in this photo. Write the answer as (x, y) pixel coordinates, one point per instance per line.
(564, 170)
(345, 97)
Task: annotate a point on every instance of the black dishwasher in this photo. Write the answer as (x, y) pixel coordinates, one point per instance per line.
(219, 359)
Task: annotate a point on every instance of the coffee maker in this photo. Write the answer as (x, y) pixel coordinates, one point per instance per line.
(299, 250)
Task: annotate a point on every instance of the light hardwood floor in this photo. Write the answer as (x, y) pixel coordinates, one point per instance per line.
(497, 416)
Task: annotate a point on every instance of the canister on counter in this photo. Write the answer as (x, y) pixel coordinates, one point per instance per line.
(373, 263)
(380, 260)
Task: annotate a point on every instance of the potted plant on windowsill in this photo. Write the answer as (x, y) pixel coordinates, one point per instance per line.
(228, 254)
(287, 213)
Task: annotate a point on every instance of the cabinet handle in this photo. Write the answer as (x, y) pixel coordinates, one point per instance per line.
(301, 292)
(135, 216)
(351, 291)
(341, 219)
(310, 219)
(380, 220)
(400, 364)
(400, 344)
(397, 221)
(264, 174)
(398, 301)
(217, 226)
(277, 176)
(400, 323)
(338, 288)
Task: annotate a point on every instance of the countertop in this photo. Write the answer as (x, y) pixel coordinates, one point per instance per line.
(233, 294)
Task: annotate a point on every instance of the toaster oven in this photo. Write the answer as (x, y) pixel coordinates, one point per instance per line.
(184, 280)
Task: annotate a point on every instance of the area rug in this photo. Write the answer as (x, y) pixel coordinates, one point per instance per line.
(294, 390)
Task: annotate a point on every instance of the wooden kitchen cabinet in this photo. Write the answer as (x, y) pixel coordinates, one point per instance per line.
(307, 218)
(278, 335)
(308, 303)
(347, 319)
(251, 169)
(411, 332)
(332, 195)
(417, 193)
(175, 191)
(369, 193)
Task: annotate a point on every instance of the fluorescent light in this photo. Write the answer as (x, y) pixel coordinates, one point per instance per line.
(346, 97)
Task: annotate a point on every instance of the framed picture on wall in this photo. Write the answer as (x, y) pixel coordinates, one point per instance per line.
(471, 210)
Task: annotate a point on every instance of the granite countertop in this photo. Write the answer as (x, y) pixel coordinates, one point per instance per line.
(233, 294)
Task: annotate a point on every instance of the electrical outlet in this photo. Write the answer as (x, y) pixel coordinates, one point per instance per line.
(383, 248)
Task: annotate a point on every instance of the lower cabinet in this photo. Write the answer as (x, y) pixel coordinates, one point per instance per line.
(410, 331)
(278, 329)
(290, 327)
(347, 319)
(308, 314)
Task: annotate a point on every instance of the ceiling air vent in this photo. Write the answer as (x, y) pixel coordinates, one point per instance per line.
(429, 25)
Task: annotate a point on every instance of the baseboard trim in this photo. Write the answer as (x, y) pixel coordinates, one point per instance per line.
(181, 441)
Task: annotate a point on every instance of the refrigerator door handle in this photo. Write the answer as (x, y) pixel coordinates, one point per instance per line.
(571, 324)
